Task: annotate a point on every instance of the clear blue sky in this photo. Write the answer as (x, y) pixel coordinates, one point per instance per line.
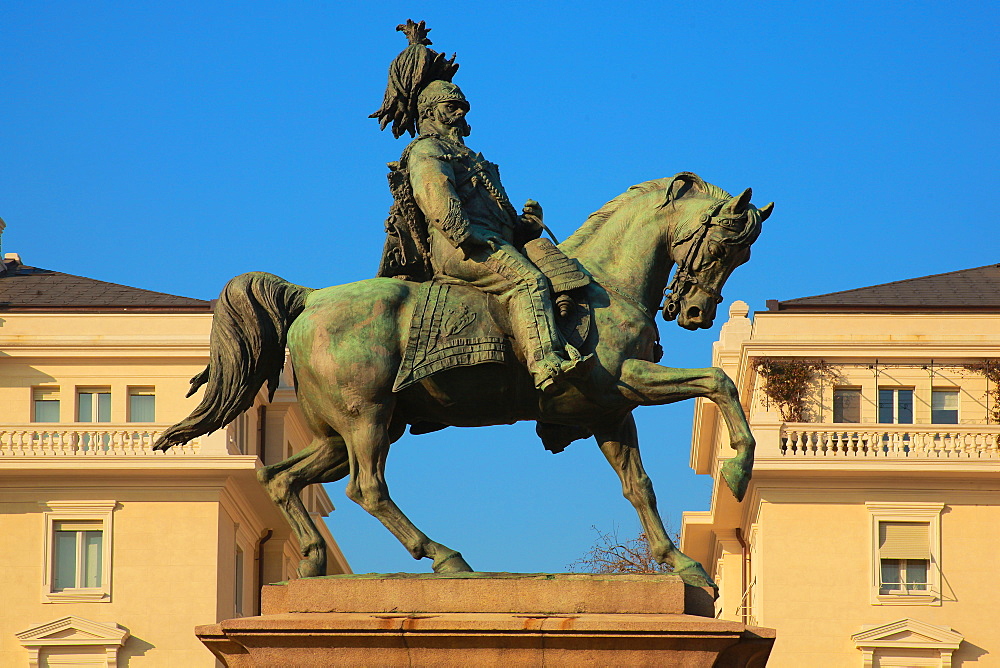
(171, 146)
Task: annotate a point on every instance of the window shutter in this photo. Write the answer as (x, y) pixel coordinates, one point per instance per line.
(45, 394)
(142, 404)
(904, 540)
(944, 400)
(79, 525)
(846, 405)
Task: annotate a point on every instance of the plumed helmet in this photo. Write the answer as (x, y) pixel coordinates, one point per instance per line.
(413, 70)
(440, 91)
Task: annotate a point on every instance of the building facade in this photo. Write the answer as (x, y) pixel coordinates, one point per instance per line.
(868, 536)
(112, 553)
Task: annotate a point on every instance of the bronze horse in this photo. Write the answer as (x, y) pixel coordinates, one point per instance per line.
(347, 342)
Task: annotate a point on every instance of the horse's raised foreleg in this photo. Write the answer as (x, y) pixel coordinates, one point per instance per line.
(368, 445)
(620, 445)
(323, 460)
(650, 384)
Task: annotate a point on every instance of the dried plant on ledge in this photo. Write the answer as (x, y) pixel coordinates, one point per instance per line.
(989, 369)
(611, 555)
(788, 383)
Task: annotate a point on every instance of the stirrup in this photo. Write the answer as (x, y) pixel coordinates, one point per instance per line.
(559, 369)
(577, 363)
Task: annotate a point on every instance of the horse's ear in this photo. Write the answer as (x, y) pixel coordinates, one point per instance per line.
(765, 211)
(684, 182)
(738, 204)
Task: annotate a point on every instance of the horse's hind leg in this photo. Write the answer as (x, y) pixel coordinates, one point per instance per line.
(620, 445)
(368, 445)
(323, 460)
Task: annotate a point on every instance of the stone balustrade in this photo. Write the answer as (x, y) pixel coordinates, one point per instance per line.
(87, 440)
(878, 441)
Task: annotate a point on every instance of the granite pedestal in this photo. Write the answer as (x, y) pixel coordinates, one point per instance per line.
(487, 619)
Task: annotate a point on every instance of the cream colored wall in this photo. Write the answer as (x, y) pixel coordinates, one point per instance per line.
(814, 581)
(179, 518)
(893, 373)
(116, 350)
(809, 530)
(170, 383)
(161, 579)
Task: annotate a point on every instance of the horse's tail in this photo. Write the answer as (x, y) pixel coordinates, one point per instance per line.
(247, 347)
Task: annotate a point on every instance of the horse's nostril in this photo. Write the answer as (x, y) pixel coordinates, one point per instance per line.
(693, 312)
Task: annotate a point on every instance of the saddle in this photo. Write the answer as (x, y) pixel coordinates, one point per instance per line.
(455, 325)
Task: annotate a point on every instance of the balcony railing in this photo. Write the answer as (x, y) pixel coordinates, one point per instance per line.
(88, 440)
(885, 441)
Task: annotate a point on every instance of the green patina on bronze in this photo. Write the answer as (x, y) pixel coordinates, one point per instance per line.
(496, 324)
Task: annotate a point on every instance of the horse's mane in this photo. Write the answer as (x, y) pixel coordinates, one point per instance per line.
(596, 219)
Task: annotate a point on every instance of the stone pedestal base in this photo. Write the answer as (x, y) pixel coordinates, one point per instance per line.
(487, 619)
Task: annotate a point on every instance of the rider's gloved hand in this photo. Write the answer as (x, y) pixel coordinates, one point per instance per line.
(473, 244)
(531, 216)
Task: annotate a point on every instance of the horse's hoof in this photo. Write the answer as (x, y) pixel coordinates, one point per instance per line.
(737, 479)
(451, 563)
(696, 576)
(314, 564)
(307, 569)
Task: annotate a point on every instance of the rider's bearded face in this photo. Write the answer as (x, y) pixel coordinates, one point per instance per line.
(452, 114)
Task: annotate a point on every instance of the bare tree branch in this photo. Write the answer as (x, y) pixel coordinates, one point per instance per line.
(612, 555)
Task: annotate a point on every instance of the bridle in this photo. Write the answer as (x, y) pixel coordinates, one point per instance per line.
(684, 278)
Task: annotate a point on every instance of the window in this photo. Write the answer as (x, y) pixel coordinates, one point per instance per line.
(141, 404)
(93, 405)
(238, 603)
(45, 404)
(895, 406)
(76, 562)
(906, 553)
(239, 432)
(847, 405)
(944, 407)
(77, 565)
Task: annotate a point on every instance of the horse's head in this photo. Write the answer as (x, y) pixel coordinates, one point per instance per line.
(710, 238)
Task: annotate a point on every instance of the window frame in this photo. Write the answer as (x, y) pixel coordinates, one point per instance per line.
(81, 531)
(140, 391)
(95, 407)
(36, 391)
(854, 389)
(102, 514)
(895, 408)
(957, 393)
(923, 513)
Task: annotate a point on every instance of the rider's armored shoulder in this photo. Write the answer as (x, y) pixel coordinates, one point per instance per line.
(427, 146)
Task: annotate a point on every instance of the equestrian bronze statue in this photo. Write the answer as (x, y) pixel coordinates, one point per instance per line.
(476, 320)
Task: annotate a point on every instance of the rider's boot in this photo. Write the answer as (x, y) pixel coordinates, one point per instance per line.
(532, 317)
(550, 358)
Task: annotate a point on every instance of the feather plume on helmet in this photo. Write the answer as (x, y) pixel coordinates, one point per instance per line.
(412, 71)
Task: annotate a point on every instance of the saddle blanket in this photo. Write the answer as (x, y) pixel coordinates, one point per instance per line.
(451, 327)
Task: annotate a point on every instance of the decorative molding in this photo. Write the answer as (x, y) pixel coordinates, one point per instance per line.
(907, 634)
(73, 632)
(91, 510)
(907, 511)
